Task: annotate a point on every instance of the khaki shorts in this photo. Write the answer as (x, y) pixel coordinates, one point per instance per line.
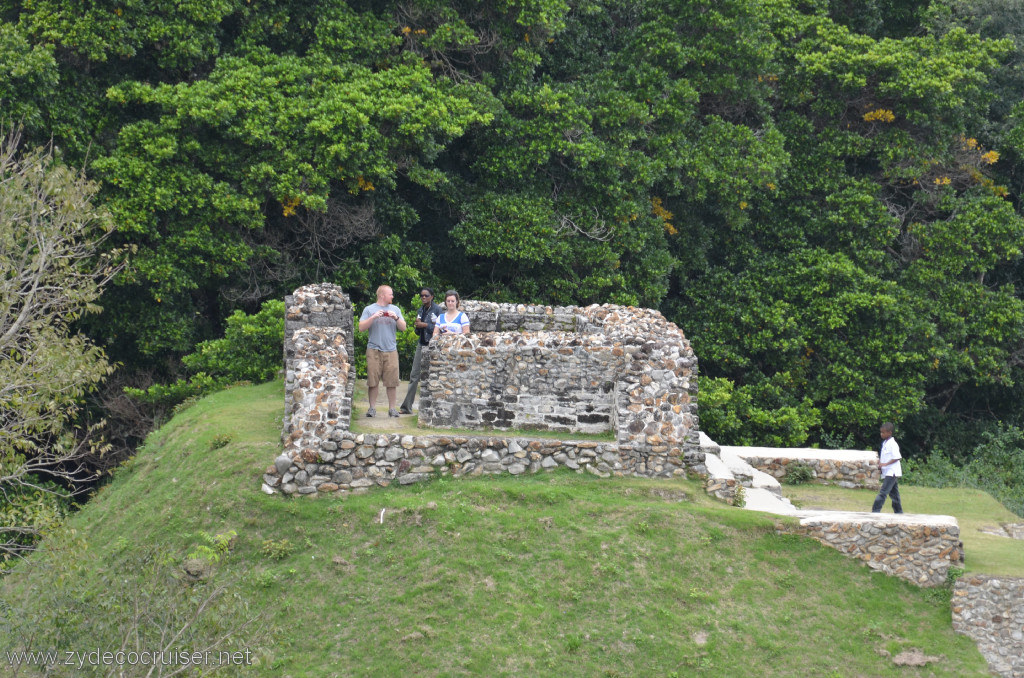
(381, 366)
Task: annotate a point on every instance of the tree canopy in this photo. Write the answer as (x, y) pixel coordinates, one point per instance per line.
(824, 195)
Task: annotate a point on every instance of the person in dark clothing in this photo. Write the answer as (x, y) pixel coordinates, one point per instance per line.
(424, 326)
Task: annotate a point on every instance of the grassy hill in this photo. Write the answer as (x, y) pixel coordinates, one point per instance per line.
(555, 574)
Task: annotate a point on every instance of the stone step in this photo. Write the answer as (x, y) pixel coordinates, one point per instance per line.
(721, 482)
(747, 475)
(760, 499)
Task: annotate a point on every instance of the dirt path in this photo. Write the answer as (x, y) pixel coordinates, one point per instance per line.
(382, 422)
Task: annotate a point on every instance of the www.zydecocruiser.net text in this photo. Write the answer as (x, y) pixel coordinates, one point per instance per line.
(97, 657)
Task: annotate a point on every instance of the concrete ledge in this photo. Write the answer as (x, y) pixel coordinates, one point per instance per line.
(720, 483)
(846, 468)
(915, 547)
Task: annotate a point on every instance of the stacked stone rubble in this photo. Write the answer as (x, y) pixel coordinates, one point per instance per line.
(585, 369)
(921, 553)
(350, 461)
(990, 610)
(853, 473)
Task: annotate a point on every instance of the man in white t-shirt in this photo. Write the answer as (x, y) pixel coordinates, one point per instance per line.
(889, 463)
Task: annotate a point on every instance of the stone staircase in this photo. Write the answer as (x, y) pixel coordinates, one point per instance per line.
(915, 547)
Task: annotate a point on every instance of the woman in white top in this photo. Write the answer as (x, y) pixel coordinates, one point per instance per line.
(452, 320)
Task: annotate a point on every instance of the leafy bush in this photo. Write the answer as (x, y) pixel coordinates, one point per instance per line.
(166, 396)
(27, 514)
(735, 416)
(995, 465)
(798, 474)
(251, 350)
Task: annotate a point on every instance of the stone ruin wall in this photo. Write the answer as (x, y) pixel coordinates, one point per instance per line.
(651, 403)
(551, 381)
(585, 369)
(851, 473)
(919, 551)
(990, 611)
(320, 373)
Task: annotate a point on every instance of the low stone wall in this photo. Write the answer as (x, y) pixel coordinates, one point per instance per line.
(554, 381)
(488, 316)
(846, 468)
(648, 392)
(627, 364)
(347, 461)
(917, 548)
(990, 610)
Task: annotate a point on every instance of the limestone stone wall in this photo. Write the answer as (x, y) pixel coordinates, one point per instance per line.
(349, 461)
(918, 548)
(319, 370)
(624, 369)
(846, 468)
(568, 369)
(990, 610)
(554, 381)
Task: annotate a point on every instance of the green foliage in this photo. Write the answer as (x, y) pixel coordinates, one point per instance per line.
(27, 514)
(277, 549)
(250, 349)
(825, 196)
(166, 396)
(733, 416)
(302, 143)
(798, 474)
(215, 546)
(995, 465)
(52, 269)
(29, 76)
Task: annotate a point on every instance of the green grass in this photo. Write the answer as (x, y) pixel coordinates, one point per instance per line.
(554, 574)
(973, 510)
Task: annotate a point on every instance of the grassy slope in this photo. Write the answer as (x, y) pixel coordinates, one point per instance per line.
(974, 510)
(551, 574)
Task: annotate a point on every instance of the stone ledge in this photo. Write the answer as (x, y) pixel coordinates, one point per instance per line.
(919, 548)
(846, 468)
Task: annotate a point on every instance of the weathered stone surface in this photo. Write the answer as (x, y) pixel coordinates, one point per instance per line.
(990, 610)
(572, 369)
(918, 548)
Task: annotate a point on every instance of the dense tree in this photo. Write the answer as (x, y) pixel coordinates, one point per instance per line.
(824, 195)
(52, 269)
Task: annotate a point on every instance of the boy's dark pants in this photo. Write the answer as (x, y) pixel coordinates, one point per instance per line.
(890, 488)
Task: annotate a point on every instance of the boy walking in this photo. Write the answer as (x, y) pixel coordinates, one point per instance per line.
(889, 463)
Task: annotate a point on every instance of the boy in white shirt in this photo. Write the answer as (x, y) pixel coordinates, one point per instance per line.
(889, 463)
